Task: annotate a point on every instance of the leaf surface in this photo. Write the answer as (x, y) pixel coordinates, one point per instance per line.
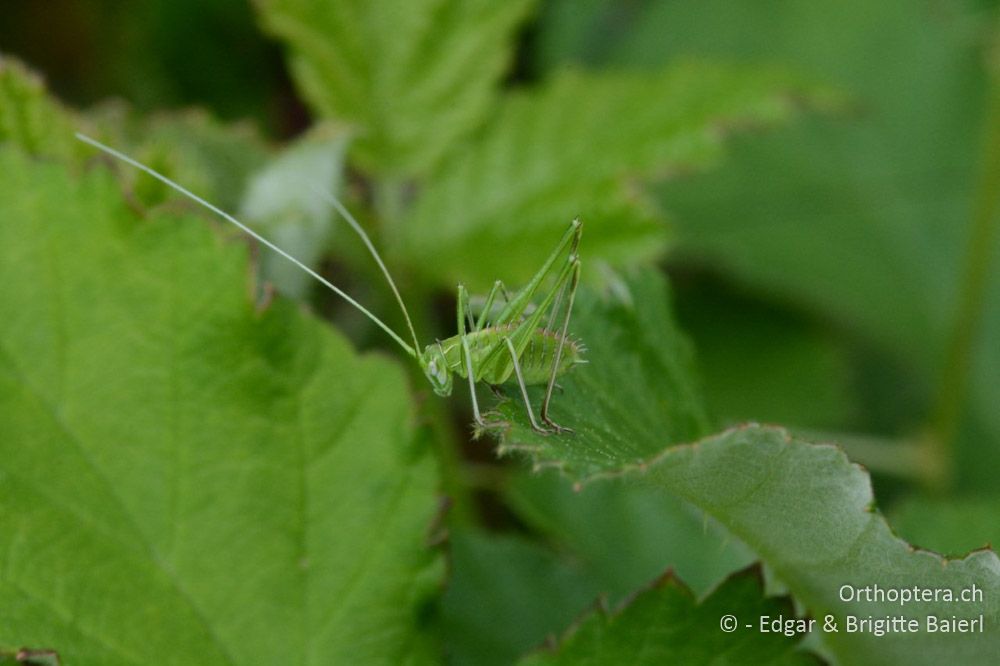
(506, 595)
(665, 625)
(637, 391)
(29, 118)
(782, 367)
(183, 479)
(414, 76)
(212, 158)
(803, 508)
(624, 534)
(579, 146)
(864, 222)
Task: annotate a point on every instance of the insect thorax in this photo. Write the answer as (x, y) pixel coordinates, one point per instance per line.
(495, 367)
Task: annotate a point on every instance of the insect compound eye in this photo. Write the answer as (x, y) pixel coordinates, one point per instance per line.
(437, 371)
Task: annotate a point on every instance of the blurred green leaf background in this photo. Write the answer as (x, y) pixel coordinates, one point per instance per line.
(790, 218)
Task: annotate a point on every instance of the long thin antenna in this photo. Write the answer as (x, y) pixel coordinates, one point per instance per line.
(229, 218)
(333, 201)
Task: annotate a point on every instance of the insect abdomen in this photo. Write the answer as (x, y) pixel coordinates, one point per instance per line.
(536, 360)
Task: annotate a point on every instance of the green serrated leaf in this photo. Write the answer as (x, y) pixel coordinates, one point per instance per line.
(575, 148)
(414, 76)
(864, 222)
(29, 118)
(213, 159)
(184, 480)
(804, 509)
(829, 537)
(216, 159)
(665, 625)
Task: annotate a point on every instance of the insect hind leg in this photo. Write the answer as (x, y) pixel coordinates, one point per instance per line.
(574, 283)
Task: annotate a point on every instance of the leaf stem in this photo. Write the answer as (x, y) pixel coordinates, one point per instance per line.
(953, 387)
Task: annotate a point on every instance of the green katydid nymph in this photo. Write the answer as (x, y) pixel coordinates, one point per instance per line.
(509, 345)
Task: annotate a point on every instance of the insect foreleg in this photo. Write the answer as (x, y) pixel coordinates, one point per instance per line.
(472, 383)
(574, 282)
(524, 389)
(464, 315)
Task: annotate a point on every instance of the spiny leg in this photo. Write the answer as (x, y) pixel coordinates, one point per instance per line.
(575, 281)
(524, 389)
